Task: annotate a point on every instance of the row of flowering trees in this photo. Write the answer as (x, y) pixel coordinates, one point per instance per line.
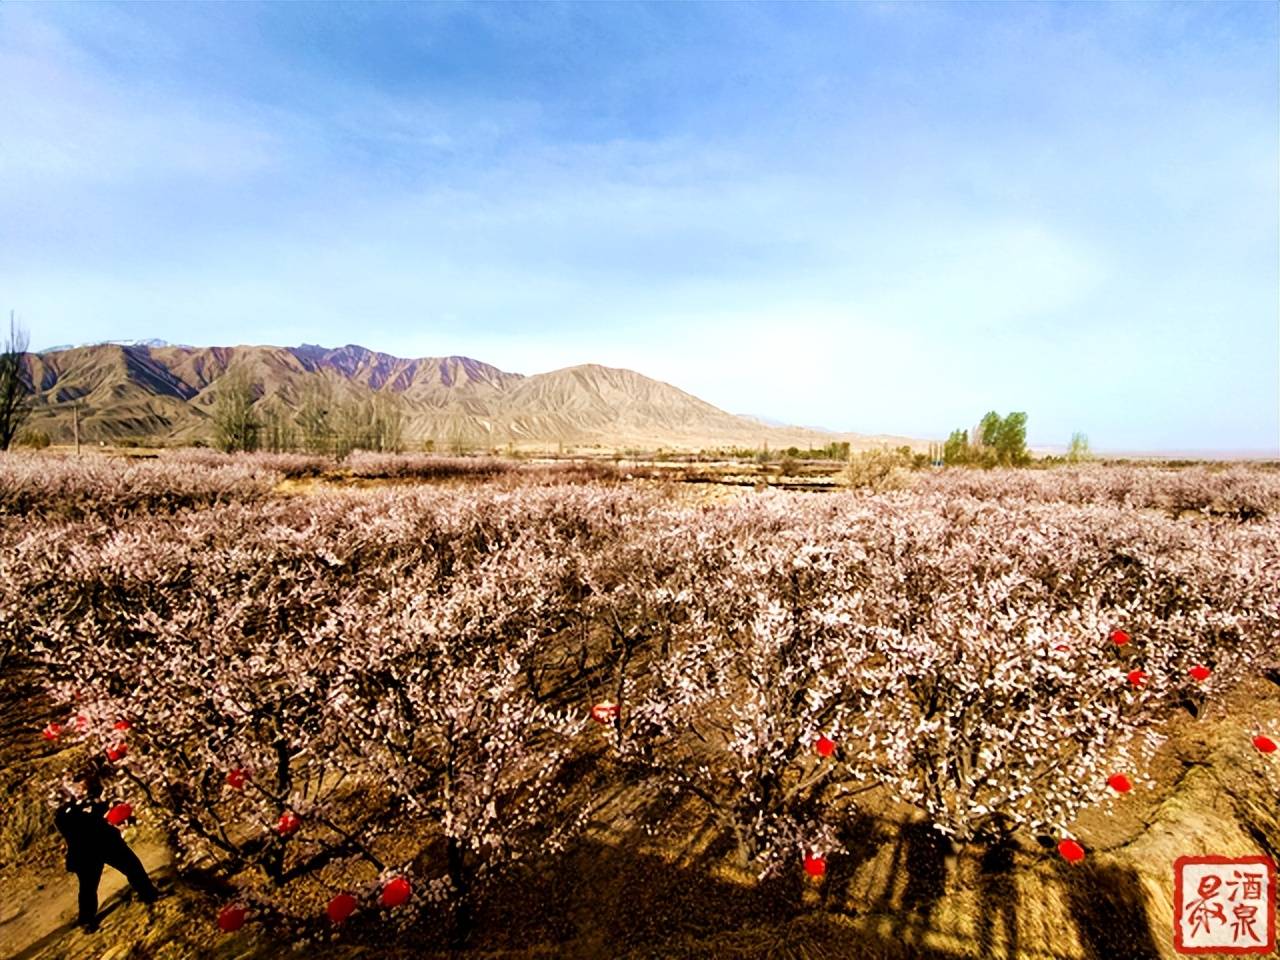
(100, 486)
(103, 487)
(1237, 492)
(361, 692)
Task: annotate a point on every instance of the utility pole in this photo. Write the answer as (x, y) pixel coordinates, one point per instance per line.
(75, 421)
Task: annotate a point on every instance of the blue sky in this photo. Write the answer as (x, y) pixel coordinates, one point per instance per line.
(881, 218)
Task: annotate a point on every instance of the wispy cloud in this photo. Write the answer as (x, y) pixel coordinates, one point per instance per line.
(886, 218)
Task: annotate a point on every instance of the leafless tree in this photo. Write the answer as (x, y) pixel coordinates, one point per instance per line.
(235, 421)
(316, 415)
(15, 395)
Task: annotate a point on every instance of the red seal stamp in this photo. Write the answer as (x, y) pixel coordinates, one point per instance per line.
(1224, 905)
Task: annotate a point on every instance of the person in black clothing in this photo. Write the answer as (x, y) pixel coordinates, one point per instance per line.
(92, 843)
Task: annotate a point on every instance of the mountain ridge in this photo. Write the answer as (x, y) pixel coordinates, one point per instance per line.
(151, 391)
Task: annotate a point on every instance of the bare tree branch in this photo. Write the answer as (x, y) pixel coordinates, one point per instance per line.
(15, 393)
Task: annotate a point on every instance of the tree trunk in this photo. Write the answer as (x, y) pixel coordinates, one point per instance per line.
(461, 879)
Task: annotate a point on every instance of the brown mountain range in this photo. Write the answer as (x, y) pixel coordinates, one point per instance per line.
(166, 394)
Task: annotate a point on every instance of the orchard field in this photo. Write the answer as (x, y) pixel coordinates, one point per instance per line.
(567, 710)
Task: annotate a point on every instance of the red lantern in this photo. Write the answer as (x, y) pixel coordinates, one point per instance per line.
(81, 722)
(119, 814)
(814, 865)
(395, 892)
(1061, 647)
(1071, 851)
(825, 746)
(341, 907)
(236, 779)
(1137, 677)
(1119, 637)
(231, 919)
(1264, 743)
(604, 712)
(52, 731)
(122, 725)
(287, 823)
(1199, 673)
(117, 752)
(1119, 783)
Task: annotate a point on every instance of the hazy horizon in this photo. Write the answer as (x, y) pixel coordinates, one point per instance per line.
(873, 218)
(1035, 444)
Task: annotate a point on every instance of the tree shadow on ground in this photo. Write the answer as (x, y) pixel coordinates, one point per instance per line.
(920, 856)
(600, 900)
(925, 853)
(862, 837)
(1107, 904)
(999, 896)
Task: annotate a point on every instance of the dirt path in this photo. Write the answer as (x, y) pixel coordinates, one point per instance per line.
(29, 929)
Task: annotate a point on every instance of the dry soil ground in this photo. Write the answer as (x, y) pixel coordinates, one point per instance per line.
(898, 892)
